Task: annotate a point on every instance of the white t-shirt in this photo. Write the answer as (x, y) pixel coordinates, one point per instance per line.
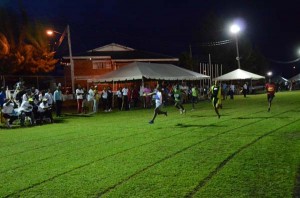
(125, 91)
(158, 98)
(91, 95)
(79, 94)
(25, 106)
(8, 109)
(49, 98)
(42, 107)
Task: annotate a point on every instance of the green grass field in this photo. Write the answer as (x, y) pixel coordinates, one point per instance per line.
(248, 152)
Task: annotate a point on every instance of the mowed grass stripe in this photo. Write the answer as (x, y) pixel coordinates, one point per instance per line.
(161, 129)
(63, 157)
(29, 156)
(266, 169)
(232, 131)
(58, 182)
(46, 150)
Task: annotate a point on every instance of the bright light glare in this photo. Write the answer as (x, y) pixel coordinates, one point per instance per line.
(235, 29)
(269, 73)
(49, 32)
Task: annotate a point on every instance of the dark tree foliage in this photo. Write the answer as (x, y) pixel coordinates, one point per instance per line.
(24, 45)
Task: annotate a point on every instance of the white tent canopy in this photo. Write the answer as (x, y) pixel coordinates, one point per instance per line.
(239, 74)
(295, 78)
(154, 71)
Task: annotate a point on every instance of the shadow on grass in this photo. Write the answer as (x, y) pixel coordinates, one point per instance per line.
(207, 116)
(78, 115)
(197, 125)
(17, 126)
(251, 118)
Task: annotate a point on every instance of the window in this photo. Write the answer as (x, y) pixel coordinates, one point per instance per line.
(102, 65)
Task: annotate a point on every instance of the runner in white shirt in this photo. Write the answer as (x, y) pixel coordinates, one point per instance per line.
(158, 103)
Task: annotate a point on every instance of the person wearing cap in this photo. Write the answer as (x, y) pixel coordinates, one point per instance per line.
(215, 92)
(44, 110)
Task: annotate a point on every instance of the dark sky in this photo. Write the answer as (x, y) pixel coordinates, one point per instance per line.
(167, 26)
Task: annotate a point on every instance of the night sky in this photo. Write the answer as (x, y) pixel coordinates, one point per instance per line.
(167, 26)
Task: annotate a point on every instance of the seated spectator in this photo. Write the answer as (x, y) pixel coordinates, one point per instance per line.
(44, 111)
(9, 112)
(26, 111)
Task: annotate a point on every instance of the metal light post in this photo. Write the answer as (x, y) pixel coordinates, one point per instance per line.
(235, 29)
(67, 31)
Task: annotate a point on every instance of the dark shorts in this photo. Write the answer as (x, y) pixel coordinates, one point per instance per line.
(270, 97)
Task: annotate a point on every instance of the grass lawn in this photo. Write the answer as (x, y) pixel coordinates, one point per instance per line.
(248, 152)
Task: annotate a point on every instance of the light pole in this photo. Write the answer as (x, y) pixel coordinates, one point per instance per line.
(67, 31)
(235, 29)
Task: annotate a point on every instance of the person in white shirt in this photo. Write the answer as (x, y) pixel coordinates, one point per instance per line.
(104, 96)
(26, 95)
(96, 99)
(119, 98)
(125, 98)
(158, 104)
(90, 98)
(26, 110)
(245, 89)
(44, 110)
(9, 112)
(79, 96)
(49, 97)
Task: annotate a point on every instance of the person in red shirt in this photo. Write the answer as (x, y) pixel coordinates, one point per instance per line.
(270, 88)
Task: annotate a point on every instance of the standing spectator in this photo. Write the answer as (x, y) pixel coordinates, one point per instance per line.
(85, 104)
(109, 99)
(96, 99)
(2, 97)
(224, 90)
(195, 93)
(158, 104)
(125, 98)
(58, 99)
(270, 88)
(216, 97)
(245, 89)
(231, 90)
(147, 97)
(119, 98)
(104, 96)
(90, 99)
(135, 96)
(79, 96)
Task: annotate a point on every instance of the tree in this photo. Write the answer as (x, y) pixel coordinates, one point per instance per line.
(24, 46)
